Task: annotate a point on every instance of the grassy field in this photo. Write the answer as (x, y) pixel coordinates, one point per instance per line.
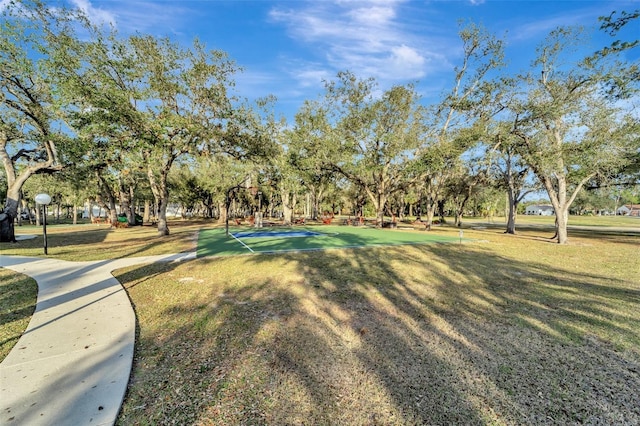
(587, 220)
(97, 242)
(500, 330)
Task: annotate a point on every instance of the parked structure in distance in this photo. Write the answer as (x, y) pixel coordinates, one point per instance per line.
(629, 210)
(540, 210)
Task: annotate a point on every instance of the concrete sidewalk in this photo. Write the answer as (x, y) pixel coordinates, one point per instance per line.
(72, 364)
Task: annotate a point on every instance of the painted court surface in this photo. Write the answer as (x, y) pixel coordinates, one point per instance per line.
(214, 242)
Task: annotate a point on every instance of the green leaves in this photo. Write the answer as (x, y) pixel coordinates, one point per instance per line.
(569, 126)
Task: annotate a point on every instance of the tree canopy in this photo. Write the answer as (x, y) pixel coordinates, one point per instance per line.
(142, 117)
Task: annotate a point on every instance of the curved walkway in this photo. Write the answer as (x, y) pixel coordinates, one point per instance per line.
(72, 364)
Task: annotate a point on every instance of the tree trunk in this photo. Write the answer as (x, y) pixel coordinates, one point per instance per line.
(126, 202)
(38, 215)
(315, 210)
(511, 215)
(271, 205)
(16, 180)
(562, 220)
(379, 201)
(560, 203)
(224, 213)
(147, 210)
(288, 205)
(460, 205)
(161, 194)
(441, 212)
(317, 194)
(159, 187)
(111, 211)
(131, 214)
(125, 205)
(8, 215)
(110, 205)
(163, 227)
(431, 211)
(381, 204)
(162, 198)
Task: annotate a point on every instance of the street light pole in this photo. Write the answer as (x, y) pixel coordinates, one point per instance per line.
(44, 200)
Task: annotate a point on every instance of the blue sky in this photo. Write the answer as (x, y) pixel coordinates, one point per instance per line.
(288, 47)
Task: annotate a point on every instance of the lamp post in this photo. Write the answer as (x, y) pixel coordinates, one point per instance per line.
(44, 200)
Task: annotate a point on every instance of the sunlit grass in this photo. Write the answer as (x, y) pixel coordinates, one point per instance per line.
(511, 330)
(501, 330)
(586, 220)
(96, 242)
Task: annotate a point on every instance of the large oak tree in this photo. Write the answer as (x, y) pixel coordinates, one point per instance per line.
(32, 118)
(569, 125)
(377, 137)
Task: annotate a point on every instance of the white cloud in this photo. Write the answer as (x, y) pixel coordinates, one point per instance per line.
(96, 15)
(312, 77)
(375, 15)
(406, 59)
(366, 37)
(158, 18)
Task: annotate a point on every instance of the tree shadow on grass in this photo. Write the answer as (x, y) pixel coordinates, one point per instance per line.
(432, 334)
(95, 244)
(491, 338)
(561, 343)
(62, 239)
(593, 234)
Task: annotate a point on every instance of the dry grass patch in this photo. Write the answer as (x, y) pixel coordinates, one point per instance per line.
(90, 242)
(513, 330)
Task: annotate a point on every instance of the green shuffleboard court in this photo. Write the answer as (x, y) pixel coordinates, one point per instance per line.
(214, 242)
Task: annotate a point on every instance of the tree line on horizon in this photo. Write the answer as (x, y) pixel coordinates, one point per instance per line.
(118, 119)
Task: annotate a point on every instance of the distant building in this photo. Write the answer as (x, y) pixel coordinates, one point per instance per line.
(540, 210)
(629, 210)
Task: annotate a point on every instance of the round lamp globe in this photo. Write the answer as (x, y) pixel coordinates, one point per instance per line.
(43, 199)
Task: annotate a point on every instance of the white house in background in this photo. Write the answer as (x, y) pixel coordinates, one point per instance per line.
(623, 210)
(540, 210)
(629, 210)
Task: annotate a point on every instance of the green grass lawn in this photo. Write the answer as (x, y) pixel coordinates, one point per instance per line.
(501, 330)
(86, 242)
(215, 242)
(587, 220)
